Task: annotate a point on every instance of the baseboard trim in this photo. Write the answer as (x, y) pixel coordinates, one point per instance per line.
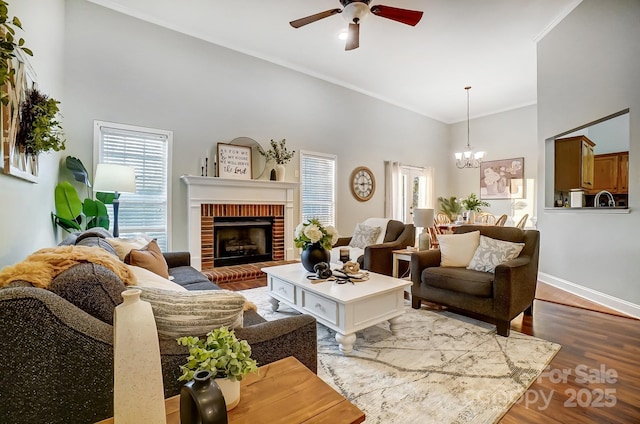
(603, 299)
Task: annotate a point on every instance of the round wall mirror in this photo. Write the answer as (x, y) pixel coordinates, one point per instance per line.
(258, 162)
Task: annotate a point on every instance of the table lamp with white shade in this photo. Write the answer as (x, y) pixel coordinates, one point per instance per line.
(423, 218)
(116, 179)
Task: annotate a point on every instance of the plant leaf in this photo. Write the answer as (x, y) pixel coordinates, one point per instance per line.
(17, 22)
(106, 198)
(68, 204)
(66, 224)
(78, 170)
(27, 51)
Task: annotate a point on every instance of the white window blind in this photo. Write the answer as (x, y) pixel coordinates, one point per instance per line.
(318, 176)
(147, 150)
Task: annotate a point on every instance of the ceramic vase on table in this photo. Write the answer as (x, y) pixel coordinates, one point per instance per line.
(202, 401)
(138, 391)
(314, 254)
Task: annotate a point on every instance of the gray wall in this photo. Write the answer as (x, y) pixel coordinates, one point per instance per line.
(505, 135)
(143, 74)
(25, 220)
(588, 68)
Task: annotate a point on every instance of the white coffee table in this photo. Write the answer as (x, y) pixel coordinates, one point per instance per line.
(345, 308)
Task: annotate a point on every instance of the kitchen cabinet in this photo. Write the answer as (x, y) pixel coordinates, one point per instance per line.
(574, 163)
(611, 173)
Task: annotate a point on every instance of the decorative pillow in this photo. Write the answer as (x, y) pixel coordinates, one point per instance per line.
(456, 250)
(149, 257)
(147, 278)
(378, 222)
(123, 246)
(492, 252)
(195, 312)
(364, 236)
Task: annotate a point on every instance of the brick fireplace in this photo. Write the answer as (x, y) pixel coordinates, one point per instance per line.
(209, 213)
(211, 197)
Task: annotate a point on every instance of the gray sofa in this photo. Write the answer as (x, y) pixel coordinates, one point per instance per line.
(57, 353)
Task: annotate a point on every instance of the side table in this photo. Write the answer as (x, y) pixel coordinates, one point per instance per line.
(400, 255)
(284, 392)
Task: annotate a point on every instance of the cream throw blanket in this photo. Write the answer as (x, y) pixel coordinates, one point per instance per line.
(44, 265)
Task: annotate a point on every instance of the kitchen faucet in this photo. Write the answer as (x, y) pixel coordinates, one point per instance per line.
(596, 201)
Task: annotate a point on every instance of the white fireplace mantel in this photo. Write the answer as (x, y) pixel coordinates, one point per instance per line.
(214, 190)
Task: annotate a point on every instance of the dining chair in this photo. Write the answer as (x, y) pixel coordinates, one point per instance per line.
(523, 221)
(433, 233)
(486, 218)
(442, 219)
(503, 218)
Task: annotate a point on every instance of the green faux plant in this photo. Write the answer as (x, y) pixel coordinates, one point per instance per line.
(472, 203)
(72, 214)
(9, 45)
(278, 152)
(450, 206)
(38, 129)
(220, 352)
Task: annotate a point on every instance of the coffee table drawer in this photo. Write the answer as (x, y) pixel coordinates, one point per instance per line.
(284, 289)
(320, 307)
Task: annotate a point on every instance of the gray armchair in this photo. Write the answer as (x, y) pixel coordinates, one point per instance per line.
(496, 297)
(378, 257)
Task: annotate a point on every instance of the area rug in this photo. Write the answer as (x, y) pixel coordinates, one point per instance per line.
(440, 368)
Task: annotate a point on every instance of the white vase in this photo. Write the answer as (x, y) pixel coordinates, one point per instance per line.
(138, 391)
(280, 171)
(230, 391)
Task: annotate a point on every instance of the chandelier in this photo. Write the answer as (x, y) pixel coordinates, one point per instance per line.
(468, 158)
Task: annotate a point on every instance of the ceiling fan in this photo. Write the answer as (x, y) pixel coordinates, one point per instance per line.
(354, 11)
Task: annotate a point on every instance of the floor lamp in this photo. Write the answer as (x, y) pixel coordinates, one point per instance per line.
(116, 179)
(423, 218)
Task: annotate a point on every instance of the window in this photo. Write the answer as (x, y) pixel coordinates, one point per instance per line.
(148, 151)
(318, 176)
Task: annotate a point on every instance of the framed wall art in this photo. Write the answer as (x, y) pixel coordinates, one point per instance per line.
(502, 179)
(234, 161)
(15, 162)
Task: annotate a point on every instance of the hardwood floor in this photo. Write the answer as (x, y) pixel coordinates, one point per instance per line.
(595, 378)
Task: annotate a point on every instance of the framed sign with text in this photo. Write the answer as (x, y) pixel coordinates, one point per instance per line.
(234, 161)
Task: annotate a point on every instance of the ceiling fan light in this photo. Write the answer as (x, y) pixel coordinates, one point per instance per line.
(355, 10)
(342, 36)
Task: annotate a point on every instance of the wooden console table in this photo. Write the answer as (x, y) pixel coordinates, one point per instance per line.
(283, 392)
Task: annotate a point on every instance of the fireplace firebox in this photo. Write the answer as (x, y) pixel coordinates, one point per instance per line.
(241, 240)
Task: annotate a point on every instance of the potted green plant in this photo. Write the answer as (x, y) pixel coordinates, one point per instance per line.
(9, 45)
(226, 357)
(450, 206)
(73, 214)
(472, 203)
(279, 154)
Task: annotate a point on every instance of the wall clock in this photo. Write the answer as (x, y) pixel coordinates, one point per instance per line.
(363, 183)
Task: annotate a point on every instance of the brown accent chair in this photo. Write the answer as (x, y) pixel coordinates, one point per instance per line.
(379, 257)
(494, 297)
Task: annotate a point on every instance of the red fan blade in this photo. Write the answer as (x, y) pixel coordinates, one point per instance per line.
(310, 19)
(353, 37)
(406, 16)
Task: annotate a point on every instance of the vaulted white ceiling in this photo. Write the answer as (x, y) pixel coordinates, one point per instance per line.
(487, 44)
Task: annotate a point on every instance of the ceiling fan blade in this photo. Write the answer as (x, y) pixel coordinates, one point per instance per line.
(353, 37)
(311, 19)
(406, 16)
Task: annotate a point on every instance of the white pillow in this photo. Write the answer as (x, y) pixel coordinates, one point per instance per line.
(123, 246)
(147, 278)
(378, 222)
(193, 312)
(492, 252)
(456, 250)
(364, 236)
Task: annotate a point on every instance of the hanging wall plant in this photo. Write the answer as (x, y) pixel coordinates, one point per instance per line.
(39, 130)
